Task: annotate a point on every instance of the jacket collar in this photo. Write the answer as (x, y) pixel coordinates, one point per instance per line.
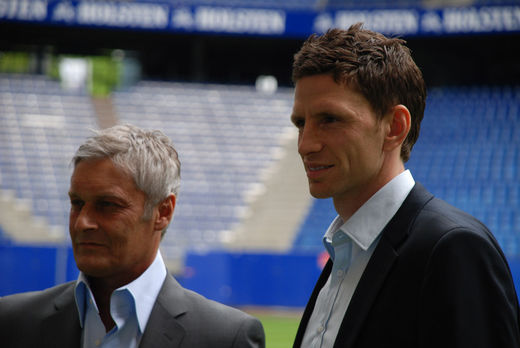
(380, 264)
(64, 315)
(164, 328)
(385, 254)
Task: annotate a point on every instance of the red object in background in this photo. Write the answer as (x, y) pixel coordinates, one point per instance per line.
(322, 259)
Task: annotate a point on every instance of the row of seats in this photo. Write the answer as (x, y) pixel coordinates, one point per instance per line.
(229, 136)
(226, 136)
(42, 125)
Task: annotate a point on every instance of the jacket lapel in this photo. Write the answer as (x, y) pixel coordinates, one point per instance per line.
(380, 264)
(61, 328)
(163, 328)
(311, 303)
(368, 287)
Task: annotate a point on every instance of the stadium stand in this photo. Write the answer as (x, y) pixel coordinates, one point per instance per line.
(42, 124)
(246, 231)
(228, 137)
(468, 154)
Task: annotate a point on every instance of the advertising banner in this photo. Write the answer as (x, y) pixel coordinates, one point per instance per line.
(275, 22)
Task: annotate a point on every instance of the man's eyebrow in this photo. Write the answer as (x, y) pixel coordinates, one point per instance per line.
(104, 195)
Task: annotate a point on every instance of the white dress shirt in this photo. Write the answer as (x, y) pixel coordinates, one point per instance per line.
(356, 240)
(130, 308)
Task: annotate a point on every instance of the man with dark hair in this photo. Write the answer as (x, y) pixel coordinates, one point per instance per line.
(122, 192)
(406, 269)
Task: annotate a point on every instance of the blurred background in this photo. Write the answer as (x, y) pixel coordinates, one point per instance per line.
(214, 75)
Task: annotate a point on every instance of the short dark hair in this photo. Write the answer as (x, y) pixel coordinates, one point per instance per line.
(380, 68)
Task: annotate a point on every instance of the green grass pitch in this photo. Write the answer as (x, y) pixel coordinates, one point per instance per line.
(279, 329)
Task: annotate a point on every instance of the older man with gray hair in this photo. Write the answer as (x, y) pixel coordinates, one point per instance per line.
(123, 191)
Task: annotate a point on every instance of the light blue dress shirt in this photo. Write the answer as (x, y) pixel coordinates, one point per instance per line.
(130, 307)
(350, 245)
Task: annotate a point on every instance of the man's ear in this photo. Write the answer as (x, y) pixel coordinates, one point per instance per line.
(399, 126)
(165, 212)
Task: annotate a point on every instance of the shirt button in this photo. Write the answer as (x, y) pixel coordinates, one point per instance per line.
(340, 273)
(97, 343)
(320, 329)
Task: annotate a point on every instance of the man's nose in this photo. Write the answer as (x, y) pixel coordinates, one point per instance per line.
(308, 140)
(85, 220)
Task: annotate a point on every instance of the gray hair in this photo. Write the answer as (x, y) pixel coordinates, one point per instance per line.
(148, 156)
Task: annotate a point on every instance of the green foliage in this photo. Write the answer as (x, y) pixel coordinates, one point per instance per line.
(53, 70)
(14, 62)
(105, 70)
(105, 75)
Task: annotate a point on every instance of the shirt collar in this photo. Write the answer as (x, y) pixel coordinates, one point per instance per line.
(82, 294)
(368, 222)
(143, 289)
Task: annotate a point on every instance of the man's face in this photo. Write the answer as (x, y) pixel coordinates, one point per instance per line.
(109, 237)
(340, 139)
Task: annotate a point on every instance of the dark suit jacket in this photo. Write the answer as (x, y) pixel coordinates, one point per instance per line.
(180, 318)
(437, 278)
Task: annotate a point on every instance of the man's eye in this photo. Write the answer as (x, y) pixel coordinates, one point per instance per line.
(108, 204)
(330, 119)
(76, 203)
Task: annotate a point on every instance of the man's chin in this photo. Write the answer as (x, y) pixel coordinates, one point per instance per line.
(93, 268)
(319, 194)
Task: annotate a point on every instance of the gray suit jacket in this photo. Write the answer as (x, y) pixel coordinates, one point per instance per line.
(180, 318)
